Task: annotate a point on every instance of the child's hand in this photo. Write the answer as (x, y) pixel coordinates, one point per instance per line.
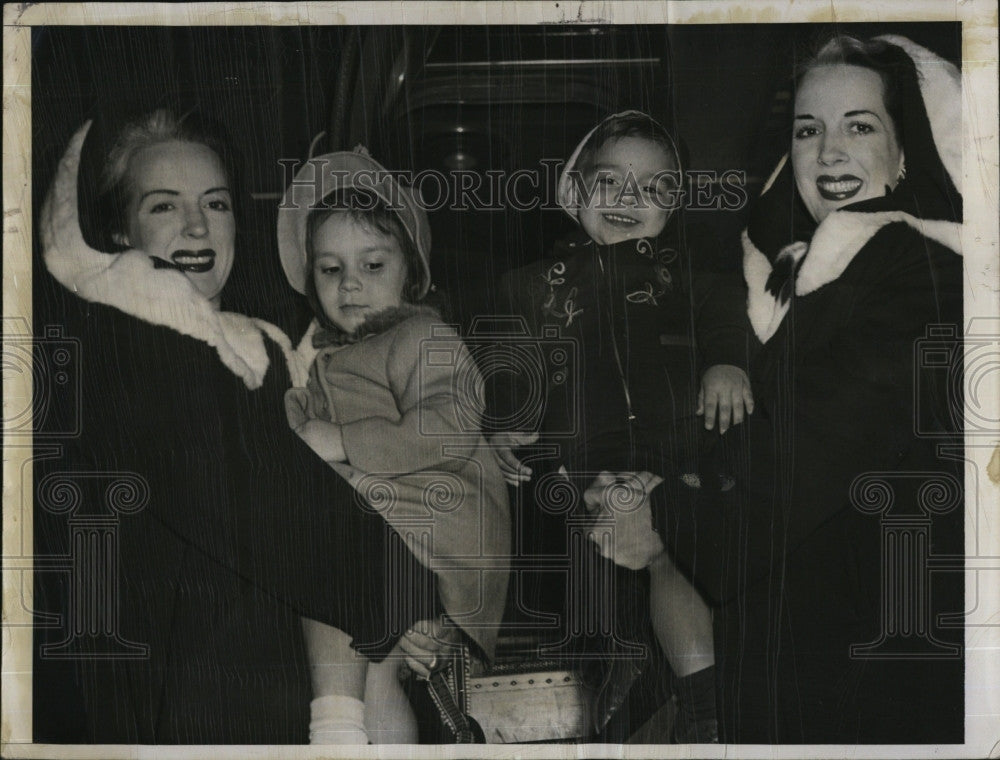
(725, 389)
(625, 499)
(513, 471)
(297, 407)
(325, 438)
(426, 645)
(303, 404)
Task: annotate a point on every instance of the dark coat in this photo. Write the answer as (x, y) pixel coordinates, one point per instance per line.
(639, 325)
(847, 491)
(244, 531)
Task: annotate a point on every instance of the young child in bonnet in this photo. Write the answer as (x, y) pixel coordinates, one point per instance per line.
(660, 348)
(399, 424)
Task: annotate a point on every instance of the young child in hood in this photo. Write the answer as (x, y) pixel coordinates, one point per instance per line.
(657, 345)
(398, 423)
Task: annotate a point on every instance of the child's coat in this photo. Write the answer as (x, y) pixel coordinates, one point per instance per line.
(408, 397)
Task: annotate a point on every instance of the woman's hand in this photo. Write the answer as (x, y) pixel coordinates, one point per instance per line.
(427, 644)
(725, 389)
(625, 499)
(513, 471)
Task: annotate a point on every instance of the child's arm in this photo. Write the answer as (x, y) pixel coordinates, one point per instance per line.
(438, 402)
(516, 299)
(724, 340)
(325, 438)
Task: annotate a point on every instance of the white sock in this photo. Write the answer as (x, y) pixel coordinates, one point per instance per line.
(337, 720)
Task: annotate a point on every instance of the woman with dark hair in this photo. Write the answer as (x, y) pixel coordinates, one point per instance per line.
(239, 530)
(828, 628)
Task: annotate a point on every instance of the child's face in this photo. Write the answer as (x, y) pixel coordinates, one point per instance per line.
(357, 271)
(627, 185)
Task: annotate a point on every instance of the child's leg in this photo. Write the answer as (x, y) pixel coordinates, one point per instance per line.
(683, 625)
(338, 680)
(681, 619)
(389, 719)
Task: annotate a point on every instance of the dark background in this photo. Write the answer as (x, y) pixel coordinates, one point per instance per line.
(436, 97)
(432, 98)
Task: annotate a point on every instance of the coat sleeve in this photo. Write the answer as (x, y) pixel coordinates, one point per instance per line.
(839, 408)
(226, 475)
(438, 403)
(722, 329)
(719, 298)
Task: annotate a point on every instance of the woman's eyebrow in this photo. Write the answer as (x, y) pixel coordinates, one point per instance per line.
(157, 192)
(862, 112)
(805, 116)
(164, 191)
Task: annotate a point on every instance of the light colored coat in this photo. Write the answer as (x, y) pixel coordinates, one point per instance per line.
(409, 400)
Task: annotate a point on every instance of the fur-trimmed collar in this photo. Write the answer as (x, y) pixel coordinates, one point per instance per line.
(129, 282)
(834, 245)
(786, 254)
(374, 324)
(318, 338)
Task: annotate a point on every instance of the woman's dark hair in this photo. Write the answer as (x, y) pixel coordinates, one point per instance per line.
(627, 125)
(892, 65)
(370, 212)
(159, 126)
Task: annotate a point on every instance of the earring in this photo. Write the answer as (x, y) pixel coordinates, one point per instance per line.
(902, 169)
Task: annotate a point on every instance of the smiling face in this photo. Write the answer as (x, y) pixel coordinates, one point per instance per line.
(844, 146)
(628, 187)
(357, 271)
(180, 211)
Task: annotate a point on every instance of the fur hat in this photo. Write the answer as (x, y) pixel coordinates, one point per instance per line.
(332, 172)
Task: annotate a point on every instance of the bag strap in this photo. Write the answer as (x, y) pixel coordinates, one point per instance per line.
(448, 689)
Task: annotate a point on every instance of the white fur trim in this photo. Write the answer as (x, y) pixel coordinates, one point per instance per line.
(129, 282)
(834, 245)
(305, 354)
(763, 309)
(296, 371)
(843, 233)
(941, 87)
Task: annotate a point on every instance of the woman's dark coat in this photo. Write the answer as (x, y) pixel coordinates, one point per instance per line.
(847, 469)
(232, 531)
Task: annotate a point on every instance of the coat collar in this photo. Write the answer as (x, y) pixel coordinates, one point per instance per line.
(786, 253)
(834, 245)
(318, 338)
(129, 282)
(376, 323)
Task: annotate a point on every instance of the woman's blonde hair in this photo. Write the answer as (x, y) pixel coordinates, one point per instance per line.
(159, 126)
